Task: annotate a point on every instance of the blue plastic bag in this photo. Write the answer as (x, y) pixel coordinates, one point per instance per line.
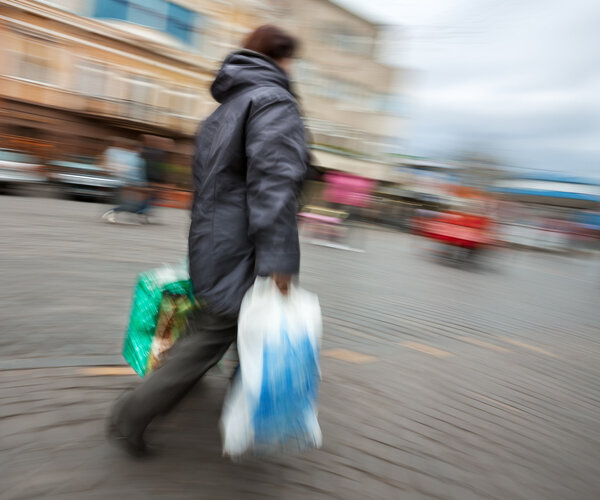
(272, 404)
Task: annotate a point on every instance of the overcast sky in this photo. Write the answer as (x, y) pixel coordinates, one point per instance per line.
(519, 79)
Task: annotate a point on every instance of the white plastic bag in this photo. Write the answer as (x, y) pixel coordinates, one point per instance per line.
(272, 403)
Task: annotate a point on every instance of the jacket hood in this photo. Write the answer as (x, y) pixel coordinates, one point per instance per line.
(244, 69)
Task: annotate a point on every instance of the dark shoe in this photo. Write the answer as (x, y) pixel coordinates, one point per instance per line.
(134, 447)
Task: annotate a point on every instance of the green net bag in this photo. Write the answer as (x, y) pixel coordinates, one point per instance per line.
(162, 300)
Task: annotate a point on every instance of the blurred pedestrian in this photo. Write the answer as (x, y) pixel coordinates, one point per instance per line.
(124, 161)
(251, 159)
(154, 152)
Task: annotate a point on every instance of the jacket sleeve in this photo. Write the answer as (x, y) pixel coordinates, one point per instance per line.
(276, 165)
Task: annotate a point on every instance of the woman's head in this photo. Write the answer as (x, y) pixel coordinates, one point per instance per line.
(272, 42)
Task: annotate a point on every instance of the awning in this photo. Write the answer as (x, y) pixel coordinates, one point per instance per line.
(358, 166)
(347, 189)
(550, 192)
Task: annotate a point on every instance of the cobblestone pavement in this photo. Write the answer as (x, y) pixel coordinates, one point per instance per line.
(438, 382)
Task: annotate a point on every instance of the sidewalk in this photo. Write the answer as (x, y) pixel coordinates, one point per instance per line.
(437, 382)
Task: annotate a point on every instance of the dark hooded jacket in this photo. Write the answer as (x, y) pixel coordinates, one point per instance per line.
(249, 165)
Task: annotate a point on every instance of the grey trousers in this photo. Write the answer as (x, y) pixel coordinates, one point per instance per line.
(206, 341)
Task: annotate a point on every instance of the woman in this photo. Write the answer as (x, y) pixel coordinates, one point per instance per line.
(250, 162)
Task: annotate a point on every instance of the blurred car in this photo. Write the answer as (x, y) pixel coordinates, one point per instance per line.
(80, 177)
(18, 169)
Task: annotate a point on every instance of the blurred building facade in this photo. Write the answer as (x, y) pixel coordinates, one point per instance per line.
(76, 73)
(344, 88)
(71, 82)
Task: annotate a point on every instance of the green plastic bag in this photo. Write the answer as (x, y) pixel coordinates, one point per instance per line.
(162, 300)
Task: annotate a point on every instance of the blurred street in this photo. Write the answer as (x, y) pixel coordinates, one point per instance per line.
(438, 381)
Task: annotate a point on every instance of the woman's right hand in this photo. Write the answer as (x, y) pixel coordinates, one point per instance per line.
(283, 282)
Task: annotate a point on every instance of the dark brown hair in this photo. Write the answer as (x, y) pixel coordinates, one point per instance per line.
(271, 41)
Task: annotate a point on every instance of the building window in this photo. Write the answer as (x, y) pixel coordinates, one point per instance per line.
(180, 23)
(140, 93)
(182, 103)
(352, 43)
(141, 89)
(34, 62)
(92, 79)
(160, 15)
(111, 9)
(345, 39)
(150, 13)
